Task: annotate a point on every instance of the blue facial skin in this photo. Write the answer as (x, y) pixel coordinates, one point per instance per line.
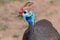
(29, 17)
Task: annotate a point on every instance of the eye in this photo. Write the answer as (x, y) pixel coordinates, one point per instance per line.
(24, 12)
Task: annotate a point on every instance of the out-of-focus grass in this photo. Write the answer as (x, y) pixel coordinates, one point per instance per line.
(13, 0)
(53, 1)
(3, 27)
(23, 0)
(2, 3)
(25, 25)
(16, 35)
(18, 0)
(19, 18)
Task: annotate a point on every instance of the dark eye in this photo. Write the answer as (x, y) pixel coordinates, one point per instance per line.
(24, 12)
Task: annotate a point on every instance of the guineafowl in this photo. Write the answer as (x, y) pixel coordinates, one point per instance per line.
(42, 30)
